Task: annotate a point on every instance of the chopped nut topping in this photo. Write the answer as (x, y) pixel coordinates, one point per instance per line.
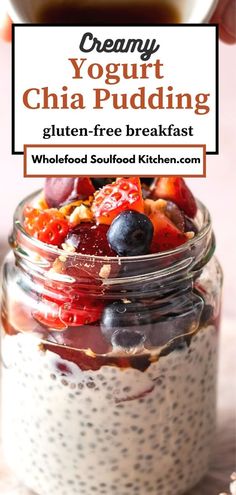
(190, 235)
(68, 209)
(57, 266)
(81, 214)
(62, 258)
(150, 205)
(68, 247)
(42, 203)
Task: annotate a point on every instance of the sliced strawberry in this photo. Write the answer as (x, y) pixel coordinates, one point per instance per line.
(53, 293)
(112, 199)
(48, 315)
(175, 189)
(48, 226)
(84, 187)
(84, 312)
(166, 235)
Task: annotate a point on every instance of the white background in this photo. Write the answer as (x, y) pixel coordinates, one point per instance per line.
(42, 53)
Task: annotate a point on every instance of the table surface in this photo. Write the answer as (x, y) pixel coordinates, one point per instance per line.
(223, 465)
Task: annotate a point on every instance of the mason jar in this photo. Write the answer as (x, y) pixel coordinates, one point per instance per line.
(109, 366)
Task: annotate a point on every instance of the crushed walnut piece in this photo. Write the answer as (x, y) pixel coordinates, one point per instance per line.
(81, 213)
(57, 266)
(66, 210)
(151, 205)
(68, 248)
(190, 235)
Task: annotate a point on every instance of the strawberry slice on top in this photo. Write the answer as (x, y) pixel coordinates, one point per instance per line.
(112, 199)
(166, 235)
(176, 190)
(48, 226)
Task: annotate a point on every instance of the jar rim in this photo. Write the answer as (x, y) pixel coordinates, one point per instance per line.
(54, 250)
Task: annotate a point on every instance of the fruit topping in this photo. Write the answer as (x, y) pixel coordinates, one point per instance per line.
(48, 226)
(176, 216)
(59, 191)
(176, 190)
(112, 199)
(166, 235)
(126, 324)
(90, 239)
(130, 234)
(171, 210)
(48, 316)
(142, 219)
(83, 311)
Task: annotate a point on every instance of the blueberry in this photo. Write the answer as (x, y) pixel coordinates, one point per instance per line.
(130, 234)
(126, 324)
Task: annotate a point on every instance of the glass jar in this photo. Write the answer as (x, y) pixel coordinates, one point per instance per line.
(109, 366)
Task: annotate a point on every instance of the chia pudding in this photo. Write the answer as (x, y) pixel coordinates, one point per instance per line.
(110, 337)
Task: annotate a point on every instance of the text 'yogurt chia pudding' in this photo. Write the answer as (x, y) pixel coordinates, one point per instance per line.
(110, 317)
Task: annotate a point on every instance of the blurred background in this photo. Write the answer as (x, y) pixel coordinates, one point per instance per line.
(218, 191)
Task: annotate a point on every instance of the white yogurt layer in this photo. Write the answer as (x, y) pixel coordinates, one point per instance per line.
(112, 431)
